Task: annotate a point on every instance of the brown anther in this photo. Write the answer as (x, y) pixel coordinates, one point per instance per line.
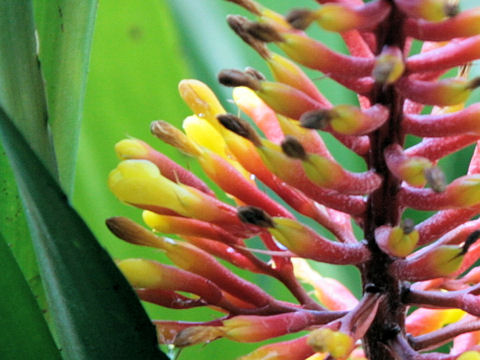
(173, 136)
(124, 228)
(197, 335)
(130, 231)
(436, 179)
(372, 289)
(240, 127)
(233, 78)
(293, 148)
(300, 18)
(464, 71)
(263, 32)
(316, 119)
(238, 24)
(471, 239)
(255, 73)
(255, 216)
(451, 8)
(407, 226)
(474, 83)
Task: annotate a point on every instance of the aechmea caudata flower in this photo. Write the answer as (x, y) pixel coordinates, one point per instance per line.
(420, 286)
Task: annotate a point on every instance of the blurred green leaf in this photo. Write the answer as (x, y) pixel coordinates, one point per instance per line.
(21, 86)
(65, 30)
(96, 313)
(24, 333)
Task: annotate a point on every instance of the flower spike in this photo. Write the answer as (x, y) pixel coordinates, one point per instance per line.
(420, 287)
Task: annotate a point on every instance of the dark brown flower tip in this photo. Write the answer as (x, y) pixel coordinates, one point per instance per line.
(126, 229)
(436, 179)
(474, 83)
(255, 73)
(471, 239)
(451, 8)
(300, 18)
(232, 78)
(407, 225)
(263, 32)
(293, 148)
(316, 119)
(372, 288)
(173, 136)
(248, 5)
(240, 127)
(382, 72)
(255, 216)
(238, 24)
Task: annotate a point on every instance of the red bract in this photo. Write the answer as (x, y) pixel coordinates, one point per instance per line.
(427, 268)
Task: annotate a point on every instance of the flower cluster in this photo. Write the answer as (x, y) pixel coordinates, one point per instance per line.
(424, 270)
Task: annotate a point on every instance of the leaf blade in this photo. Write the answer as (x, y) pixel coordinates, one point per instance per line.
(21, 86)
(21, 316)
(96, 313)
(65, 31)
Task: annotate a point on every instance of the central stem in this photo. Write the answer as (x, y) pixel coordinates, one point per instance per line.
(383, 206)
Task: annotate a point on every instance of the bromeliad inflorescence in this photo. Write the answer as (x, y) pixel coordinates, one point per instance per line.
(425, 270)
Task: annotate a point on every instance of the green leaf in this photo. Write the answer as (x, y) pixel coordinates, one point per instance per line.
(65, 29)
(24, 333)
(22, 95)
(13, 228)
(21, 86)
(96, 313)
